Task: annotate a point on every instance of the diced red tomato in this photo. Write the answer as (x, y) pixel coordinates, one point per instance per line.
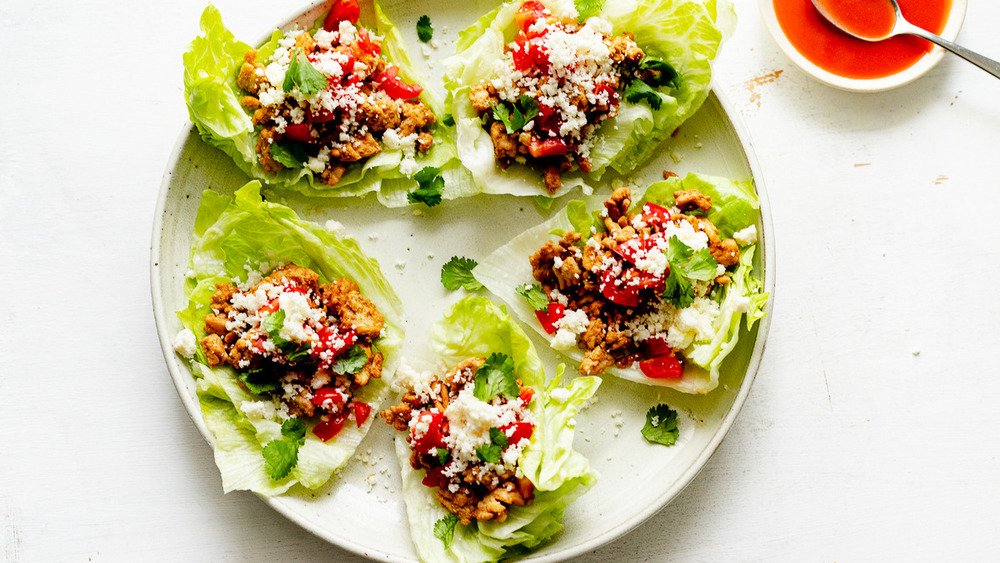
(655, 347)
(390, 83)
(320, 116)
(348, 66)
(331, 339)
(548, 120)
(529, 54)
(663, 367)
(549, 316)
(526, 395)
(327, 396)
(329, 426)
(434, 437)
(361, 412)
(366, 44)
(434, 477)
(528, 14)
(298, 132)
(605, 87)
(553, 146)
(518, 431)
(272, 306)
(342, 10)
(654, 214)
(624, 294)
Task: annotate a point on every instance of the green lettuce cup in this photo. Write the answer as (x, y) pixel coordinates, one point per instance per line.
(679, 40)
(546, 463)
(670, 309)
(258, 445)
(310, 112)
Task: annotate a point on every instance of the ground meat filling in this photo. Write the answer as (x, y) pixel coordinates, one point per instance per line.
(449, 432)
(608, 293)
(306, 346)
(326, 100)
(564, 79)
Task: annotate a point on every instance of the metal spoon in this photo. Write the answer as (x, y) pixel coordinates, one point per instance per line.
(903, 27)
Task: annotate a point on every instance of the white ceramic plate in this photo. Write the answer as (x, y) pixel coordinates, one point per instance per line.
(362, 510)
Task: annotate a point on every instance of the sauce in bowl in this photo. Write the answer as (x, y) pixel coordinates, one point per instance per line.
(833, 50)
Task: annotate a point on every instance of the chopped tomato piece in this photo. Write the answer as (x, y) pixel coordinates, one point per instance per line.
(549, 316)
(548, 120)
(518, 431)
(605, 87)
(366, 44)
(433, 438)
(320, 116)
(298, 132)
(390, 83)
(624, 294)
(327, 394)
(526, 395)
(654, 214)
(434, 477)
(331, 343)
(549, 147)
(656, 347)
(342, 10)
(663, 367)
(528, 14)
(329, 426)
(361, 412)
(528, 54)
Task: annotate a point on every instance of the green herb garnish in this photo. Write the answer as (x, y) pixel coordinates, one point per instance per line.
(431, 186)
(515, 116)
(351, 361)
(686, 265)
(638, 91)
(424, 30)
(661, 426)
(444, 529)
(535, 295)
(281, 455)
(496, 377)
(303, 75)
(457, 273)
(289, 153)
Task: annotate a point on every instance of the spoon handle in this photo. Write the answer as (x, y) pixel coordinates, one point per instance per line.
(987, 64)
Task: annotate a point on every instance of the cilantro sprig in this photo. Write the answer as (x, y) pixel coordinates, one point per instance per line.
(515, 116)
(272, 326)
(492, 452)
(289, 153)
(535, 296)
(495, 377)
(351, 361)
(256, 382)
(444, 529)
(430, 187)
(638, 91)
(303, 75)
(457, 273)
(686, 265)
(425, 32)
(661, 425)
(659, 72)
(282, 455)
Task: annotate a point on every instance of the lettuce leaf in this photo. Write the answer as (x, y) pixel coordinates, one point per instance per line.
(735, 206)
(682, 32)
(241, 233)
(211, 66)
(477, 327)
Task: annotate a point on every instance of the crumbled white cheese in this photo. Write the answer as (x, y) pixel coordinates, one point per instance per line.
(298, 314)
(573, 323)
(469, 423)
(694, 323)
(259, 410)
(185, 344)
(747, 236)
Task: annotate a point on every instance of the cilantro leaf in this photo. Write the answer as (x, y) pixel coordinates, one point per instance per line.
(638, 91)
(424, 29)
(661, 425)
(588, 8)
(443, 455)
(280, 457)
(448, 120)
(351, 361)
(529, 107)
(444, 529)
(431, 185)
(303, 75)
(256, 382)
(686, 265)
(289, 153)
(294, 354)
(535, 295)
(495, 377)
(515, 116)
(489, 453)
(272, 326)
(662, 73)
(293, 429)
(497, 437)
(457, 273)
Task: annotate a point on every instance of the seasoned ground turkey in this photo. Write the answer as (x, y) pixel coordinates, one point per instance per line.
(565, 79)
(361, 107)
(471, 490)
(295, 361)
(606, 304)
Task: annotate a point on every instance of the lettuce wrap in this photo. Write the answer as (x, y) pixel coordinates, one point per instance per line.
(476, 327)
(211, 66)
(734, 207)
(234, 236)
(684, 33)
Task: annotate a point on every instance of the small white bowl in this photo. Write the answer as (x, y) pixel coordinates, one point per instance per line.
(955, 19)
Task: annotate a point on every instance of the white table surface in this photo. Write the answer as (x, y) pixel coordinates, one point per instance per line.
(871, 432)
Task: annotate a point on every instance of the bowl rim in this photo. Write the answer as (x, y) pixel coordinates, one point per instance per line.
(956, 17)
(181, 378)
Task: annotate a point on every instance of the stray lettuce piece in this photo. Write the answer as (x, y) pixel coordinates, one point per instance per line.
(303, 75)
(255, 383)
(281, 456)
(457, 273)
(535, 295)
(289, 153)
(638, 91)
(444, 529)
(588, 8)
(492, 452)
(661, 425)
(665, 75)
(686, 265)
(351, 361)
(496, 377)
(515, 116)
(430, 187)
(425, 32)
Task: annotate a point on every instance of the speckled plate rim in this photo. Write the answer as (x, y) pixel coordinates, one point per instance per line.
(181, 378)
